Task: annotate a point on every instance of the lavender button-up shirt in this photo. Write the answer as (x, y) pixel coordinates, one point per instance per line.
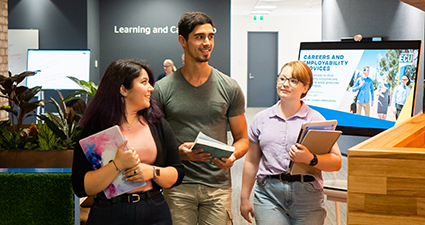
(275, 136)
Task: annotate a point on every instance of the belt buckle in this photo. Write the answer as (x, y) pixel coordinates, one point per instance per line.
(280, 177)
(138, 198)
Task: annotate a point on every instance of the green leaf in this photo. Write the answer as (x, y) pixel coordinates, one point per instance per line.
(93, 86)
(74, 95)
(83, 84)
(6, 134)
(46, 138)
(29, 107)
(53, 127)
(89, 88)
(20, 77)
(59, 122)
(29, 94)
(63, 106)
(12, 141)
(8, 81)
(58, 108)
(19, 90)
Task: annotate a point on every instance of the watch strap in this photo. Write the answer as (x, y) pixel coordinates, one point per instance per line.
(314, 161)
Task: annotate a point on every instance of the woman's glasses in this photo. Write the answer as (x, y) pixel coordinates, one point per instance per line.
(292, 81)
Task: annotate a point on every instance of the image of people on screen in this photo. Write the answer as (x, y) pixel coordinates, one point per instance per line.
(357, 86)
(364, 88)
(384, 96)
(385, 76)
(401, 92)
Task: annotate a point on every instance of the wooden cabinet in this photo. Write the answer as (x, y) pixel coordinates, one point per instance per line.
(386, 176)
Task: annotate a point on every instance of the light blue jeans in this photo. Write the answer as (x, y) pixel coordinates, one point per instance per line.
(288, 203)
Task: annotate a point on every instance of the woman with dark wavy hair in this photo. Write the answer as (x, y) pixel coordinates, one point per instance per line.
(123, 99)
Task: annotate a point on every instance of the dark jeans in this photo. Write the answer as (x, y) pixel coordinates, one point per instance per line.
(398, 107)
(150, 211)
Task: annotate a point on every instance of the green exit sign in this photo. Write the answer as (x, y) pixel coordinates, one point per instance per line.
(258, 17)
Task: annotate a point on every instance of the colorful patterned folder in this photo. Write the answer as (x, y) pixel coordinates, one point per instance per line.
(100, 148)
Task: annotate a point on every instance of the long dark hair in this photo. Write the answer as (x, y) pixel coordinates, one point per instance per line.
(79, 106)
(408, 80)
(107, 107)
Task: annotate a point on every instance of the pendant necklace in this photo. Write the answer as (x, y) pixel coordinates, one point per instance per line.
(129, 126)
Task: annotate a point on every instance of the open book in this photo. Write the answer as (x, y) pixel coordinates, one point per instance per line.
(216, 148)
(100, 148)
(319, 137)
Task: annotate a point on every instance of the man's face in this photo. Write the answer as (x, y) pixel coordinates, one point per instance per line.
(200, 43)
(366, 72)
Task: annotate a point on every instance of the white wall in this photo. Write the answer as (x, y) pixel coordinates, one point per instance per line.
(291, 29)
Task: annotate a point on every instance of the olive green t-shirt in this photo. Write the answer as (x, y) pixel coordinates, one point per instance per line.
(206, 108)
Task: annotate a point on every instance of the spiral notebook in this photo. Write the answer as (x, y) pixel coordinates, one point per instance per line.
(99, 149)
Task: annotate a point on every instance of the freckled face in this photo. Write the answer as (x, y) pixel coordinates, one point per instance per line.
(285, 89)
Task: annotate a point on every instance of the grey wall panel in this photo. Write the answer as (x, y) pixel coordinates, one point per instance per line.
(89, 24)
(62, 24)
(156, 47)
(93, 36)
(390, 19)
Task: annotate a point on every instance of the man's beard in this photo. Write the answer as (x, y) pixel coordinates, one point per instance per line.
(200, 59)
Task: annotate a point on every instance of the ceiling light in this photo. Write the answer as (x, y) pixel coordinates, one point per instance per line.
(265, 7)
(260, 11)
(272, 0)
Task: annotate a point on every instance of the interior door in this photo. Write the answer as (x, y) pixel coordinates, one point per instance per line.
(262, 68)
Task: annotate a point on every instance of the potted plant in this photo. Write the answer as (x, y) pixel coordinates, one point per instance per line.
(63, 124)
(20, 146)
(89, 89)
(20, 107)
(47, 144)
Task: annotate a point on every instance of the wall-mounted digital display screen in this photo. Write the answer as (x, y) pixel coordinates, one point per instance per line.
(54, 66)
(378, 77)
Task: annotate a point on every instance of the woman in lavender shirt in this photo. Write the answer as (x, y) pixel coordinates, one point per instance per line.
(281, 198)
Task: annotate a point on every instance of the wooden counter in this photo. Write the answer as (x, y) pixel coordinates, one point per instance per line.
(386, 176)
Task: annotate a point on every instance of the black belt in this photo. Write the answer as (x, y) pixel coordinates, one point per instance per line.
(131, 197)
(291, 178)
